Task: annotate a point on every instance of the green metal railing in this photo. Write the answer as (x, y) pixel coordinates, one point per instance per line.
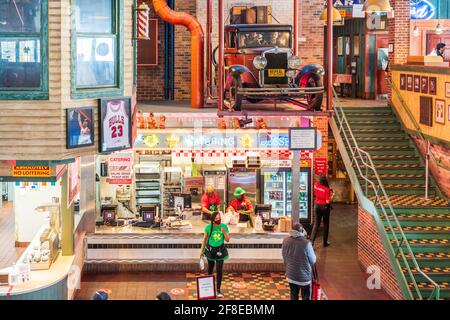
(414, 122)
(366, 169)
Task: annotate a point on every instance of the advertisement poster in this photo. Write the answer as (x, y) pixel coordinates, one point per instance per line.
(119, 168)
(74, 180)
(79, 127)
(115, 124)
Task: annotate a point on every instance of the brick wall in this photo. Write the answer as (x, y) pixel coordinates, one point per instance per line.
(441, 153)
(371, 252)
(399, 31)
(150, 80)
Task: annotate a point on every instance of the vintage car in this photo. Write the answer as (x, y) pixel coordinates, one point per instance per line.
(260, 64)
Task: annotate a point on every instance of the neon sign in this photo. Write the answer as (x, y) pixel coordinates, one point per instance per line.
(422, 10)
(280, 141)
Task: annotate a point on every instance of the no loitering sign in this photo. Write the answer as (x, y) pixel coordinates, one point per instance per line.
(31, 171)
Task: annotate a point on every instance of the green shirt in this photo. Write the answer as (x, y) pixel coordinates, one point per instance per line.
(217, 238)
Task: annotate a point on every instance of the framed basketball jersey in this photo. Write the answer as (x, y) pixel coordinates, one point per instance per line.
(115, 124)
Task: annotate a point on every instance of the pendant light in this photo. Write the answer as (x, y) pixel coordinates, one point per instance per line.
(377, 6)
(336, 15)
(416, 31)
(438, 29)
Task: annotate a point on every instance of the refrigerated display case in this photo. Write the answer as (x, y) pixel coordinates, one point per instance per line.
(244, 178)
(277, 191)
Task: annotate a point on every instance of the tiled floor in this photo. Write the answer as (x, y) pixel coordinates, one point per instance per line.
(8, 252)
(340, 274)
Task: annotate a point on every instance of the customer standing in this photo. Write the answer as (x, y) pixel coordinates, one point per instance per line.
(324, 196)
(299, 259)
(213, 247)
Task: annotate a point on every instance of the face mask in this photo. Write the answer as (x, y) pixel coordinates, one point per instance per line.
(218, 221)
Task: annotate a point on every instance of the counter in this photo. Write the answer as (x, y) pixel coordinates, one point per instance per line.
(48, 284)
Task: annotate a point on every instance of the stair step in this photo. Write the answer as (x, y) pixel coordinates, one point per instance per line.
(428, 228)
(398, 189)
(426, 289)
(374, 125)
(383, 150)
(430, 257)
(377, 110)
(362, 134)
(370, 117)
(426, 217)
(437, 274)
(397, 179)
(383, 142)
(416, 203)
(424, 239)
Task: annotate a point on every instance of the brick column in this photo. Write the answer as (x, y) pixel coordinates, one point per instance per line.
(399, 34)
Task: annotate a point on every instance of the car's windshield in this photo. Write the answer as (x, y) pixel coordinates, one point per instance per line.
(256, 39)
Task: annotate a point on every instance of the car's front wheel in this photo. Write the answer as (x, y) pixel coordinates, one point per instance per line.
(314, 101)
(233, 100)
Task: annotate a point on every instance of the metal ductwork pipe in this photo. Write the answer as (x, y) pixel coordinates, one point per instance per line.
(197, 46)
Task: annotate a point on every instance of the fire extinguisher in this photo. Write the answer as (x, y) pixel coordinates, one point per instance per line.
(142, 21)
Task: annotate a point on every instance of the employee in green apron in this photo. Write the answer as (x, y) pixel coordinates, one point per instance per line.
(210, 203)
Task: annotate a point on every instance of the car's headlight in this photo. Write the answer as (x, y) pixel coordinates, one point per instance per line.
(295, 62)
(290, 73)
(260, 62)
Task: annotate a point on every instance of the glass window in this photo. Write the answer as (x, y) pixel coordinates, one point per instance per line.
(95, 44)
(258, 39)
(94, 18)
(20, 16)
(21, 49)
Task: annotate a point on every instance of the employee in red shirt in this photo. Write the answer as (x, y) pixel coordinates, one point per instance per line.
(241, 205)
(210, 202)
(324, 196)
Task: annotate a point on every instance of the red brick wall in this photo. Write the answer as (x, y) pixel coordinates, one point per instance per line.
(441, 153)
(371, 252)
(150, 80)
(311, 50)
(399, 33)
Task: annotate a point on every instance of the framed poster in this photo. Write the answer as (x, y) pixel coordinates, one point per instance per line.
(447, 89)
(115, 123)
(426, 111)
(403, 82)
(424, 85)
(409, 82)
(433, 85)
(416, 83)
(440, 111)
(74, 172)
(79, 127)
(206, 288)
(356, 44)
(340, 45)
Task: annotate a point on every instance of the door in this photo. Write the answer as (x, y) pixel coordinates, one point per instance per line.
(274, 191)
(382, 44)
(433, 39)
(305, 194)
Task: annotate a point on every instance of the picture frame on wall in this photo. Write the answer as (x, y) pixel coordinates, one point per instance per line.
(426, 111)
(433, 86)
(440, 111)
(79, 127)
(424, 85)
(115, 124)
(416, 83)
(402, 81)
(447, 89)
(340, 46)
(409, 82)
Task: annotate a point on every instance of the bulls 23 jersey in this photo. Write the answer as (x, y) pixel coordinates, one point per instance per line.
(116, 126)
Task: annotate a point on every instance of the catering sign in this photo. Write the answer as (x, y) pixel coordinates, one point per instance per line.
(31, 171)
(119, 168)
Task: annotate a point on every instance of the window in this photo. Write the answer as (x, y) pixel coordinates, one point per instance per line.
(96, 48)
(23, 49)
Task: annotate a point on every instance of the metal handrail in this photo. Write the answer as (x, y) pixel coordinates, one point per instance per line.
(414, 122)
(401, 242)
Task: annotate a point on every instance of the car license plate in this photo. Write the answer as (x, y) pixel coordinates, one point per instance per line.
(277, 73)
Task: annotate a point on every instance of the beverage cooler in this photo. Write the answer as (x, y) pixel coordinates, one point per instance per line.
(277, 190)
(245, 178)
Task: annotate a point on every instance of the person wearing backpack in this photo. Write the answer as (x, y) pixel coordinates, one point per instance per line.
(213, 247)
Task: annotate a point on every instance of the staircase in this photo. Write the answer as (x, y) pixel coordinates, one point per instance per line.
(395, 165)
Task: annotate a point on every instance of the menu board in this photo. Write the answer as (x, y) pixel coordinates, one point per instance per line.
(302, 139)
